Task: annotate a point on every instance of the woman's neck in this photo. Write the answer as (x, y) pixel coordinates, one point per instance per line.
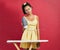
(29, 14)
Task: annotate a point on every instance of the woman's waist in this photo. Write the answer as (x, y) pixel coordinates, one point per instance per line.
(31, 29)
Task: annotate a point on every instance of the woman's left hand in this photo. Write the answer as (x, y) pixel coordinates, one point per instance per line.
(38, 38)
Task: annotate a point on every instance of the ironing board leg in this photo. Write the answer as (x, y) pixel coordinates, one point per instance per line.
(16, 46)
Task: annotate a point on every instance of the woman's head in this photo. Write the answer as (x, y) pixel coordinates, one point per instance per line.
(27, 8)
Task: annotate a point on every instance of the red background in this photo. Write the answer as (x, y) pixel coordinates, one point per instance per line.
(10, 22)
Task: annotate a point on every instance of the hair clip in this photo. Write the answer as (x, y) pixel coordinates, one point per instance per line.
(25, 3)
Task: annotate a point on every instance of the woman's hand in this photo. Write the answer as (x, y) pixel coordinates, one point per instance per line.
(38, 35)
(38, 38)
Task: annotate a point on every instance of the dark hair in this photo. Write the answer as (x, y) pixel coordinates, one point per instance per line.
(24, 5)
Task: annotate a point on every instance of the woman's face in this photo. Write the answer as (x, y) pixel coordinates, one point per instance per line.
(28, 9)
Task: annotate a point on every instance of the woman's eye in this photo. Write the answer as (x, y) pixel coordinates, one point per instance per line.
(28, 8)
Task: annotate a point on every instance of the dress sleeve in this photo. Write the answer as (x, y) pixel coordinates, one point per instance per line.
(24, 22)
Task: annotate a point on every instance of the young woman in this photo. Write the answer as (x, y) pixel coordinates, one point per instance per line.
(30, 24)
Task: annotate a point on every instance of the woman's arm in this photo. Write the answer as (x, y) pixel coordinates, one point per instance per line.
(24, 23)
(38, 30)
(23, 27)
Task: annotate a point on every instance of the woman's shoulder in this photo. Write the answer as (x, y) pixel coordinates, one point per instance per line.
(36, 16)
(23, 18)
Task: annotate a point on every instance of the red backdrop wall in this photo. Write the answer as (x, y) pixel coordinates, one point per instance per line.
(10, 22)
